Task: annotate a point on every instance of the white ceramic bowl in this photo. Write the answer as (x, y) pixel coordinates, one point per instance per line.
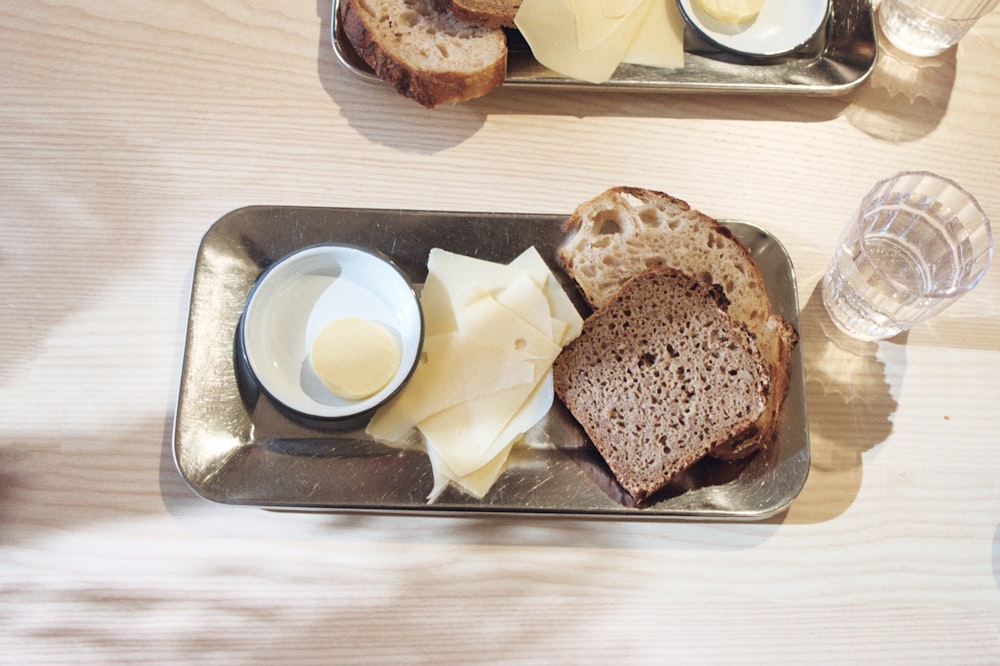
(297, 296)
(782, 27)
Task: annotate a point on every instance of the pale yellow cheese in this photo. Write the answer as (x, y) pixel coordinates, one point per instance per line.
(660, 40)
(588, 39)
(485, 377)
(454, 280)
(562, 307)
(489, 321)
(732, 11)
(551, 29)
(354, 357)
(617, 8)
(529, 303)
(467, 436)
(597, 20)
(477, 484)
(439, 315)
(560, 329)
(444, 377)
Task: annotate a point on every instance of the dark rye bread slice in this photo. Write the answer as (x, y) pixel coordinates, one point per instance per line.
(660, 376)
(423, 51)
(625, 230)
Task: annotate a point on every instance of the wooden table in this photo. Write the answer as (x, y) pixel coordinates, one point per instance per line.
(129, 128)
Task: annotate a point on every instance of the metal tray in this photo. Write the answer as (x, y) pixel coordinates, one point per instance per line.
(233, 446)
(839, 58)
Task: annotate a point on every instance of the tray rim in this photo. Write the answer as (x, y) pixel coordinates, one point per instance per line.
(554, 81)
(616, 513)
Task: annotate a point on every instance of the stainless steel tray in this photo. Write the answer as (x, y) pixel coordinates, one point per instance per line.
(233, 446)
(838, 59)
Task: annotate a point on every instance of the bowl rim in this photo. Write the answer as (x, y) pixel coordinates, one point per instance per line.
(320, 417)
(693, 21)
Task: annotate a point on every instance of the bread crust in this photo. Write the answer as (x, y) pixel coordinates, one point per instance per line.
(429, 88)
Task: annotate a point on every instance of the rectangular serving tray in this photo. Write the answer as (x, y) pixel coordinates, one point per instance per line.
(838, 59)
(233, 446)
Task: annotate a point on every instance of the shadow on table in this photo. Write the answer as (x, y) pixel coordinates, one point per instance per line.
(905, 97)
(850, 408)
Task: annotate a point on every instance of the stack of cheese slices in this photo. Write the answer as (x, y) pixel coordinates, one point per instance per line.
(492, 332)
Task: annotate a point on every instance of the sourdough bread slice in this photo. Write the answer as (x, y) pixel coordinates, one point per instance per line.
(660, 376)
(424, 52)
(625, 230)
(489, 13)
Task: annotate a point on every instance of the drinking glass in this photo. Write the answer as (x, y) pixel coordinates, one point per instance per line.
(916, 244)
(929, 27)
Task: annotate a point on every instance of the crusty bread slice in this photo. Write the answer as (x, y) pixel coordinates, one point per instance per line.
(625, 230)
(424, 52)
(489, 13)
(660, 376)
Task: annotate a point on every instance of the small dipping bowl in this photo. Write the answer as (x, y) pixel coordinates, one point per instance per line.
(300, 294)
(782, 27)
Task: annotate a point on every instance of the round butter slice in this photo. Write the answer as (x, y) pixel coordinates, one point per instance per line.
(732, 11)
(354, 357)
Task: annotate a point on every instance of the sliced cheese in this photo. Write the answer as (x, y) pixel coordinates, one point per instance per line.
(477, 484)
(486, 376)
(454, 280)
(597, 20)
(660, 40)
(439, 315)
(559, 331)
(562, 307)
(466, 279)
(534, 409)
(529, 303)
(550, 28)
(443, 379)
(469, 434)
(465, 436)
(489, 321)
(617, 8)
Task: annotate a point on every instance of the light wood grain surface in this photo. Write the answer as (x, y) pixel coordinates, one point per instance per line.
(128, 128)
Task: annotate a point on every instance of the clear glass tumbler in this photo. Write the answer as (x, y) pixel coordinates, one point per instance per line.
(917, 243)
(930, 27)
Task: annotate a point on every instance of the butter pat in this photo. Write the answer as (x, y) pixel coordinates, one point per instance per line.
(732, 11)
(354, 357)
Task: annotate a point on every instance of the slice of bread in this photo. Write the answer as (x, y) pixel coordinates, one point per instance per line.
(424, 52)
(489, 13)
(625, 230)
(660, 376)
